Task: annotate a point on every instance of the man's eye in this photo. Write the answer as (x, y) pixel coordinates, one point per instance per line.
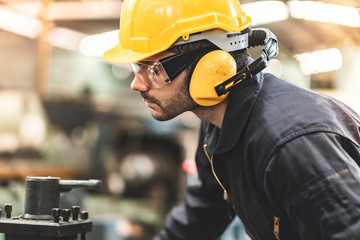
(156, 71)
(142, 68)
(153, 71)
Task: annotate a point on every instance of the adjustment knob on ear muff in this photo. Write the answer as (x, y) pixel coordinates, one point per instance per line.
(212, 69)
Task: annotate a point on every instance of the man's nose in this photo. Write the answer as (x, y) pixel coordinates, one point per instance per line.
(138, 85)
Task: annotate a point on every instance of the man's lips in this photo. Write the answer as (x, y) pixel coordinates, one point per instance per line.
(147, 98)
(149, 103)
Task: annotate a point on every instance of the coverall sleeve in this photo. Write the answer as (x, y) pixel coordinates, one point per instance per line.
(205, 214)
(315, 179)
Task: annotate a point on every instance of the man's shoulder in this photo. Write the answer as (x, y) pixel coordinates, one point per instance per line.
(283, 109)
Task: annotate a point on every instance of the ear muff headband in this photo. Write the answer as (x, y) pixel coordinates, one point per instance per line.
(259, 37)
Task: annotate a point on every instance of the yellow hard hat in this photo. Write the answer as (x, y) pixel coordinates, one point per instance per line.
(148, 27)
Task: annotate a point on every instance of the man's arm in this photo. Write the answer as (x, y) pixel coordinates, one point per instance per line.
(315, 181)
(203, 217)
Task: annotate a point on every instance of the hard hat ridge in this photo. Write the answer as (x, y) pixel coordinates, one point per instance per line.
(148, 27)
(224, 40)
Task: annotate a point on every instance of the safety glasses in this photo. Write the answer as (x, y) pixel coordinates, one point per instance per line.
(156, 74)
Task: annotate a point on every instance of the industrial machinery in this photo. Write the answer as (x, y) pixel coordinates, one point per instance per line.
(43, 218)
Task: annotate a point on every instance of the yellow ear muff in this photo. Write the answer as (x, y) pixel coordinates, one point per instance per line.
(212, 69)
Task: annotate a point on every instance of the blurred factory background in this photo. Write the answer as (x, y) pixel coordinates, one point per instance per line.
(65, 112)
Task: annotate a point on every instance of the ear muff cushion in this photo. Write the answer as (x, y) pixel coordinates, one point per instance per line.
(212, 69)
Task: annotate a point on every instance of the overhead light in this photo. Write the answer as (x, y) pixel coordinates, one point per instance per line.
(320, 61)
(324, 12)
(69, 10)
(19, 24)
(83, 10)
(65, 38)
(263, 12)
(30, 8)
(96, 45)
(30, 27)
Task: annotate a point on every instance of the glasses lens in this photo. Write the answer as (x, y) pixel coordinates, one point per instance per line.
(156, 74)
(151, 73)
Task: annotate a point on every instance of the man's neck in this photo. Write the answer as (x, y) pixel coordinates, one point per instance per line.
(212, 114)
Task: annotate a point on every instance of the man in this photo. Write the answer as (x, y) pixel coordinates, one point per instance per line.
(283, 159)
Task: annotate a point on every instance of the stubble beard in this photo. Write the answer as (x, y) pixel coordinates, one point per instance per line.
(172, 107)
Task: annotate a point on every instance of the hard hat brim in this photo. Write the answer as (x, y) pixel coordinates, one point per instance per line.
(118, 54)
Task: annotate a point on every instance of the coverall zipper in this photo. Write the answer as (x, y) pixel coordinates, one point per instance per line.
(226, 195)
(277, 227)
(227, 198)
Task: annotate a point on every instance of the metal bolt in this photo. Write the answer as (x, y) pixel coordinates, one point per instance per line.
(84, 215)
(56, 213)
(8, 210)
(75, 212)
(65, 213)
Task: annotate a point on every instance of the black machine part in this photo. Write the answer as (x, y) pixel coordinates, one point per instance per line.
(43, 194)
(25, 229)
(43, 219)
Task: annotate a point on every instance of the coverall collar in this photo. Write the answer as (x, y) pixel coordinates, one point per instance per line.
(241, 101)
